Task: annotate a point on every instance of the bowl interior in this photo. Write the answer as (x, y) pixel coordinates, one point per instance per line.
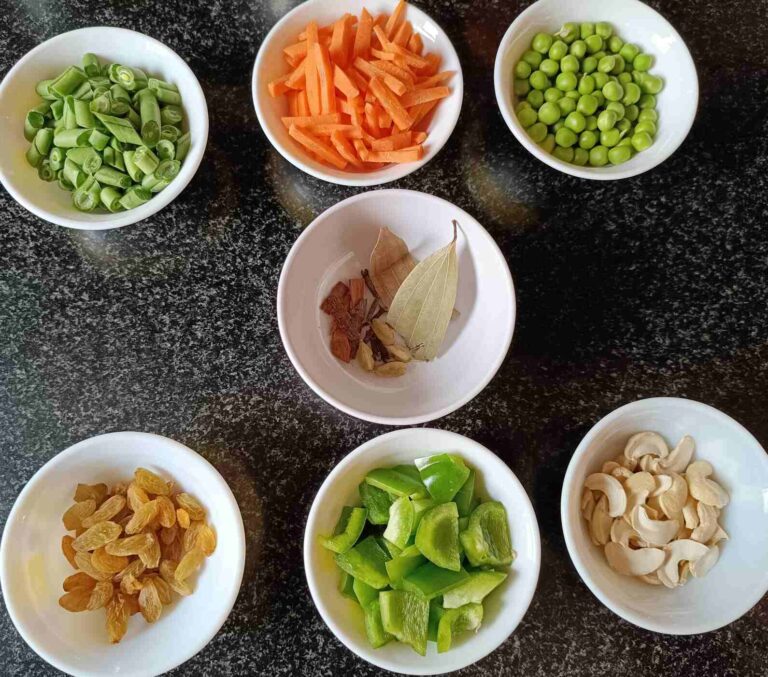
(504, 608)
(18, 96)
(33, 566)
(740, 577)
(270, 64)
(635, 22)
(336, 246)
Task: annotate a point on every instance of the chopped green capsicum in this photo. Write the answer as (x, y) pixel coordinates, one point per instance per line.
(400, 525)
(396, 483)
(366, 561)
(474, 589)
(365, 593)
(437, 537)
(374, 629)
(431, 581)
(465, 497)
(406, 616)
(377, 501)
(345, 585)
(436, 612)
(407, 561)
(443, 475)
(486, 539)
(454, 621)
(347, 531)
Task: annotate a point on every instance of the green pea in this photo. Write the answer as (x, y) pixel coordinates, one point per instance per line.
(610, 137)
(580, 157)
(587, 104)
(541, 43)
(619, 154)
(522, 106)
(613, 91)
(591, 123)
(606, 120)
(641, 141)
(586, 84)
(601, 79)
(643, 62)
(606, 64)
(549, 67)
(523, 70)
(578, 48)
(599, 55)
(594, 43)
(632, 93)
(539, 80)
(533, 59)
(552, 94)
(589, 65)
(618, 65)
(576, 122)
(615, 43)
(648, 115)
(586, 29)
(623, 125)
(573, 94)
(537, 132)
(569, 32)
(566, 82)
(528, 117)
(587, 139)
(567, 105)
(604, 29)
(599, 98)
(565, 137)
(560, 123)
(558, 50)
(569, 64)
(617, 108)
(651, 84)
(647, 101)
(637, 76)
(535, 98)
(646, 126)
(629, 52)
(598, 156)
(549, 113)
(631, 112)
(521, 87)
(549, 143)
(625, 79)
(626, 141)
(564, 154)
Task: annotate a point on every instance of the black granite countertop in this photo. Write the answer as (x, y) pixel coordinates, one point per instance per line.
(656, 285)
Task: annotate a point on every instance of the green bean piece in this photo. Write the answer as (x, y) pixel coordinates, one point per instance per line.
(113, 177)
(46, 172)
(83, 115)
(98, 140)
(63, 182)
(165, 150)
(145, 160)
(160, 185)
(71, 138)
(91, 65)
(117, 145)
(133, 117)
(86, 197)
(156, 83)
(110, 198)
(182, 146)
(32, 123)
(70, 118)
(135, 197)
(56, 158)
(33, 156)
(169, 169)
(119, 94)
(44, 91)
(167, 96)
(99, 81)
(130, 166)
(120, 128)
(43, 140)
(83, 91)
(67, 82)
(149, 110)
(150, 181)
(172, 115)
(87, 158)
(101, 104)
(170, 133)
(57, 109)
(131, 79)
(114, 158)
(74, 174)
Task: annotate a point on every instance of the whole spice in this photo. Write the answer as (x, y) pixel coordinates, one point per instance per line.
(391, 264)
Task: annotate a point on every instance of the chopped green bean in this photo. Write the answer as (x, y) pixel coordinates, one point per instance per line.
(130, 166)
(120, 128)
(110, 197)
(73, 173)
(88, 159)
(71, 138)
(135, 197)
(56, 158)
(119, 94)
(83, 115)
(170, 133)
(165, 150)
(149, 110)
(145, 159)
(33, 156)
(46, 172)
(171, 115)
(86, 198)
(67, 82)
(57, 109)
(113, 177)
(98, 140)
(44, 140)
(43, 88)
(91, 65)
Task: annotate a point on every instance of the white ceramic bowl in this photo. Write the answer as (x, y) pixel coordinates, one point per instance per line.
(17, 96)
(335, 246)
(270, 65)
(504, 608)
(635, 22)
(33, 566)
(740, 577)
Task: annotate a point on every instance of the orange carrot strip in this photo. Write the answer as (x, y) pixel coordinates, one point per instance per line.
(297, 79)
(405, 155)
(422, 110)
(342, 82)
(362, 151)
(372, 120)
(296, 51)
(357, 79)
(380, 34)
(368, 69)
(293, 103)
(396, 19)
(417, 96)
(382, 55)
(321, 149)
(350, 131)
(384, 119)
(419, 137)
(303, 103)
(357, 113)
(322, 32)
(278, 87)
(362, 45)
(389, 101)
(426, 83)
(415, 44)
(311, 69)
(413, 60)
(310, 120)
(434, 64)
(402, 74)
(339, 41)
(403, 34)
(393, 142)
(344, 148)
(325, 71)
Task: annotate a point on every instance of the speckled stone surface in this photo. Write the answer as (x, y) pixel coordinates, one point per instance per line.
(652, 286)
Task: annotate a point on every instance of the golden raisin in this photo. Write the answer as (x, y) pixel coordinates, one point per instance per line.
(182, 516)
(68, 550)
(131, 545)
(98, 492)
(190, 563)
(130, 585)
(151, 483)
(135, 568)
(189, 538)
(151, 555)
(168, 534)
(109, 509)
(117, 618)
(191, 505)
(149, 602)
(167, 572)
(136, 496)
(83, 561)
(163, 589)
(96, 536)
(110, 564)
(166, 512)
(77, 512)
(206, 539)
(76, 600)
(78, 580)
(100, 595)
(141, 518)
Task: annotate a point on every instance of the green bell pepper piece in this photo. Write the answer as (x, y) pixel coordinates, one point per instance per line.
(388, 547)
(347, 531)
(454, 621)
(474, 589)
(486, 539)
(443, 475)
(366, 561)
(431, 581)
(465, 497)
(377, 501)
(437, 537)
(400, 525)
(345, 585)
(395, 483)
(406, 616)
(365, 593)
(399, 567)
(374, 629)
(420, 506)
(436, 612)
(410, 471)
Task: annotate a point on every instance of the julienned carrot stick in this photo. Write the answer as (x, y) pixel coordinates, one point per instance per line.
(325, 72)
(381, 36)
(395, 71)
(372, 120)
(278, 87)
(362, 45)
(310, 70)
(405, 155)
(395, 20)
(435, 80)
(342, 82)
(303, 103)
(409, 58)
(368, 69)
(350, 131)
(417, 96)
(393, 142)
(309, 120)
(297, 79)
(422, 110)
(315, 145)
(344, 148)
(293, 103)
(339, 42)
(296, 52)
(403, 34)
(415, 44)
(390, 103)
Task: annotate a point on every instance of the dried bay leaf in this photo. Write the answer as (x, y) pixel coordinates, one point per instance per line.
(391, 263)
(423, 305)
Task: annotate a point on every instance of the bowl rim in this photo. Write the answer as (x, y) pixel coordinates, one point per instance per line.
(161, 200)
(51, 466)
(569, 529)
(515, 486)
(352, 411)
(594, 173)
(360, 180)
